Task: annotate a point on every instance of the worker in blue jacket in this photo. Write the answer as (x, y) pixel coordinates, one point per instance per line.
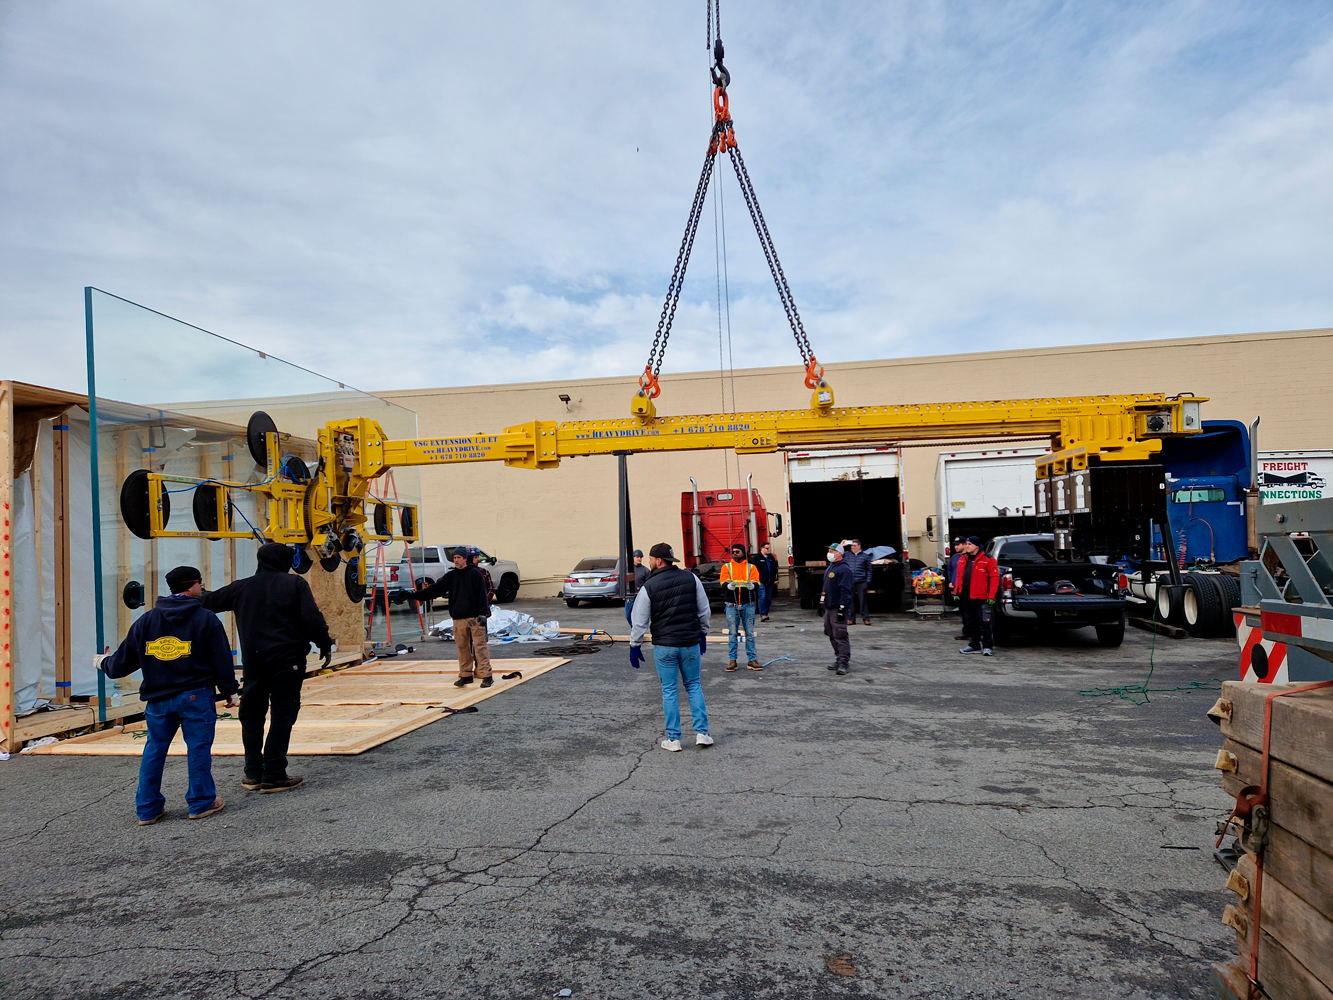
(859, 562)
(837, 599)
(184, 655)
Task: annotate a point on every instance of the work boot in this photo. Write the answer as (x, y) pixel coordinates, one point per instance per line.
(462, 682)
(150, 822)
(755, 665)
(282, 785)
(251, 784)
(215, 807)
(842, 669)
(731, 664)
(866, 622)
(487, 681)
(833, 666)
(961, 638)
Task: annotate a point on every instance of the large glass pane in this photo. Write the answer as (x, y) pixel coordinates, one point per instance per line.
(174, 398)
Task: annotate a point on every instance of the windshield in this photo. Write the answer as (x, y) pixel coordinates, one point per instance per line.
(429, 554)
(588, 565)
(1033, 552)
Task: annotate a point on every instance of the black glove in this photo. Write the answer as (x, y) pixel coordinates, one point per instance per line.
(328, 657)
(841, 616)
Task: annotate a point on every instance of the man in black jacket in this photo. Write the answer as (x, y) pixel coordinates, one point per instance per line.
(278, 620)
(184, 655)
(673, 601)
(838, 596)
(465, 588)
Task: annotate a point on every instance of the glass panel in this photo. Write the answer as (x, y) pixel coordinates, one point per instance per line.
(1199, 496)
(174, 398)
(1037, 552)
(587, 565)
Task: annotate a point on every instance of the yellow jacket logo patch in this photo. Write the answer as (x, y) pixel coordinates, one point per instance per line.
(168, 647)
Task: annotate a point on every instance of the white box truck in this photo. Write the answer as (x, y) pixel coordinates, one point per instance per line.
(984, 493)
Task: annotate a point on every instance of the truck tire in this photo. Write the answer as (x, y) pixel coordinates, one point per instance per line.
(1201, 606)
(1168, 605)
(1111, 634)
(1229, 589)
(507, 590)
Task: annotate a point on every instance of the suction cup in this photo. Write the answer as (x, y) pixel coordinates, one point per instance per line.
(260, 424)
(134, 504)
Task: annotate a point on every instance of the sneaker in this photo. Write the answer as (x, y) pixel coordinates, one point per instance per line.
(462, 682)
(215, 807)
(763, 618)
(285, 785)
(841, 670)
(672, 745)
(150, 822)
(755, 665)
(833, 666)
(988, 652)
(487, 681)
(703, 740)
(961, 638)
(251, 784)
(731, 664)
(969, 649)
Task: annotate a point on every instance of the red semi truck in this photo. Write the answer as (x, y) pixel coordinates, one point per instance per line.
(712, 521)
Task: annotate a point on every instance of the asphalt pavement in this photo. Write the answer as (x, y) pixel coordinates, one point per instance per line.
(931, 825)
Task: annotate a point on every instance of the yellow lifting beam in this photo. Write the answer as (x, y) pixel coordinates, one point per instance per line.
(1112, 428)
(327, 510)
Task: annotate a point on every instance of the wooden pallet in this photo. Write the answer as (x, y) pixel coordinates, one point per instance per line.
(348, 712)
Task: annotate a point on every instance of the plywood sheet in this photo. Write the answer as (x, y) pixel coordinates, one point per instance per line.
(342, 713)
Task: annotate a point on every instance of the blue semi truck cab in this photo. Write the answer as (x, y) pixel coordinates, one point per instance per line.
(1206, 479)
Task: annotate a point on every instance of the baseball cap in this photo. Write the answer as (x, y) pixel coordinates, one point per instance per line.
(183, 578)
(662, 551)
(834, 547)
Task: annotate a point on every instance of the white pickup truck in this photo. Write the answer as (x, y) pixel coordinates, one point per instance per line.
(430, 562)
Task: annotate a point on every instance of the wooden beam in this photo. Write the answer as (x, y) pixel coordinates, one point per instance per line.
(1298, 801)
(61, 556)
(1294, 924)
(7, 691)
(1301, 732)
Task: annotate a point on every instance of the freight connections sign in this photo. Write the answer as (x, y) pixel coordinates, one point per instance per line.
(1289, 475)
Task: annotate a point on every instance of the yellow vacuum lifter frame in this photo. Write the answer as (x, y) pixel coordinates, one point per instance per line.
(353, 453)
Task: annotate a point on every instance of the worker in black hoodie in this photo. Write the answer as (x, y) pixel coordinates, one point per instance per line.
(184, 655)
(278, 620)
(465, 588)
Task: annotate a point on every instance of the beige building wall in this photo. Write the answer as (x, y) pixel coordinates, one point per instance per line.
(546, 521)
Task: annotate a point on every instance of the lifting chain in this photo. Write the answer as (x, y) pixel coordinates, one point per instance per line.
(723, 139)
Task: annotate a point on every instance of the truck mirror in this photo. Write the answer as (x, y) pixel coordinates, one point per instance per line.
(930, 526)
(776, 530)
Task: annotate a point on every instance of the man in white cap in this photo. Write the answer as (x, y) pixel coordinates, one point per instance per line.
(838, 597)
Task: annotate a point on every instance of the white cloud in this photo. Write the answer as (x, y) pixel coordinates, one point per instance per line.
(498, 193)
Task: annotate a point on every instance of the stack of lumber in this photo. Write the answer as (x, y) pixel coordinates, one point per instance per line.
(1296, 898)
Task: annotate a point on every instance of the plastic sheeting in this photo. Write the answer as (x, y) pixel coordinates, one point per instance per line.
(34, 584)
(507, 626)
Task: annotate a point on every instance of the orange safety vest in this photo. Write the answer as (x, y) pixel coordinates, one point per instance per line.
(740, 572)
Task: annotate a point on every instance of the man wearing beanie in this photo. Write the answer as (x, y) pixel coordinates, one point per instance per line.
(837, 597)
(976, 582)
(278, 620)
(673, 601)
(740, 581)
(184, 655)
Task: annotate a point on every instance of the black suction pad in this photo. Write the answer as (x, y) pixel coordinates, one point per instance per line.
(134, 504)
(260, 424)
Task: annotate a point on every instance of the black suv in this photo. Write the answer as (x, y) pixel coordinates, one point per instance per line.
(1040, 590)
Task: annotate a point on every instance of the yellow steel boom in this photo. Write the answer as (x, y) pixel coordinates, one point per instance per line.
(326, 510)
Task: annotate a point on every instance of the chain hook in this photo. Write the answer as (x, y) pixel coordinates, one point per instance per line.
(814, 373)
(720, 74)
(648, 382)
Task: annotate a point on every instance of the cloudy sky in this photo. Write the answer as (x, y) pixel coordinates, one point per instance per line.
(415, 194)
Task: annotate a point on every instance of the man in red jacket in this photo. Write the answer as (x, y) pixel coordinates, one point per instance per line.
(976, 581)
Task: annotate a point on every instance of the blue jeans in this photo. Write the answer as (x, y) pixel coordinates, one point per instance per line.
(193, 713)
(765, 599)
(673, 663)
(738, 618)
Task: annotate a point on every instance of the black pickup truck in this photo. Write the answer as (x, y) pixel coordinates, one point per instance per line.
(1040, 590)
